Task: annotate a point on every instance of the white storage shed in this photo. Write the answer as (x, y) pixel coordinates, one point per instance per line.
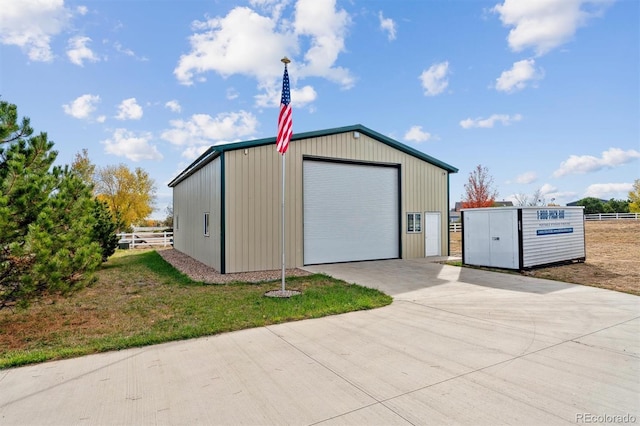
(522, 237)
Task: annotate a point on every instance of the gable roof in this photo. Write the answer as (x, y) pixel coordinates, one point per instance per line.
(215, 151)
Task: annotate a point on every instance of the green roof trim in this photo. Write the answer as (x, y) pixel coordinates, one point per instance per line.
(215, 151)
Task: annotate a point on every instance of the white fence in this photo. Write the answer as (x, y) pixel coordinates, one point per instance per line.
(455, 227)
(145, 239)
(612, 216)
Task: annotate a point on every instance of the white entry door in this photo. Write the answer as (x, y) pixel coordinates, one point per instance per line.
(432, 234)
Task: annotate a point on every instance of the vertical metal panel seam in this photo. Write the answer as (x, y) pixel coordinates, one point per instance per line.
(584, 238)
(400, 212)
(520, 241)
(462, 236)
(223, 206)
(448, 214)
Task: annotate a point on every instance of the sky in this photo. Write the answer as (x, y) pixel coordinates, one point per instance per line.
(543, 93)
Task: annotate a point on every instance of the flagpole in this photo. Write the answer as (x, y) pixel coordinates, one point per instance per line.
(285, 61)
(284, 164)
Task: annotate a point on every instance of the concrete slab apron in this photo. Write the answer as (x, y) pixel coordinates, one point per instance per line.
(248, 377)
(572, 352)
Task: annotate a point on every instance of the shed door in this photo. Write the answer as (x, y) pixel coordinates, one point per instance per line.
(351, 212)
(503, 239)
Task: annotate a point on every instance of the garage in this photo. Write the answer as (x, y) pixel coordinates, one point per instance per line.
(351, 194)
(351, 211)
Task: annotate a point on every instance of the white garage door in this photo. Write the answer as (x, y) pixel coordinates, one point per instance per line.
(351, 212)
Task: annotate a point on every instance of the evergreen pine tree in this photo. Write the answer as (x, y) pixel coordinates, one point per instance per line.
(46, 217)
(104, 229)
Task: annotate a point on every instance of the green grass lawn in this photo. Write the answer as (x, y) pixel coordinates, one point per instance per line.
(139, 299)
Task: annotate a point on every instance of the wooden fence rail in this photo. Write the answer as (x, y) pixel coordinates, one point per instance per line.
(145, 239)
(612, 216)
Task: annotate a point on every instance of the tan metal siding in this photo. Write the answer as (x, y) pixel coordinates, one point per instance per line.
(253, 188)
(193, 197)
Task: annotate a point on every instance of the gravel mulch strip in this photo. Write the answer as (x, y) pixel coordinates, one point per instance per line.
(198, 271)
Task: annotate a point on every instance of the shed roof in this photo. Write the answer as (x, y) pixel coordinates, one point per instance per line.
(215, 151)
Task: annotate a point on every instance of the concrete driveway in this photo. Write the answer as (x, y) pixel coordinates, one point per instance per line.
(457, 346)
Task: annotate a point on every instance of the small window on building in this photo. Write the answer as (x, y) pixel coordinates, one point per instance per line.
(206, 224)
(414, 223)
(177, 223)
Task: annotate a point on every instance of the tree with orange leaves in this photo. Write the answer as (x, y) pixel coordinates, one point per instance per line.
(479, 189)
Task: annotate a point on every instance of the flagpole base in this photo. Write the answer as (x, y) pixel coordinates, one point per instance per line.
(282, 293)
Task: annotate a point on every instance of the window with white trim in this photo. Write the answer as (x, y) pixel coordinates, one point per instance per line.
(414, 223)
(206, 224)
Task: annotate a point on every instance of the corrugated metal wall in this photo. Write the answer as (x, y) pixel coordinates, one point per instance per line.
(561, 239)
(253, 191)
(193, 197)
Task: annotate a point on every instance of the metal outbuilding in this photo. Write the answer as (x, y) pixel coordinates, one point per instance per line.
(522, 237)
(352, 194)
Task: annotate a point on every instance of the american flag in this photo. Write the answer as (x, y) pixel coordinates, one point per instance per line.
(285, 124)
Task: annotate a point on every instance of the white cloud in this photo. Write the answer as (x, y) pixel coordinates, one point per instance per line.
(522, 73)
(548, 189)
(416, 134)
(129, 110)
(327, 28)
(551, 194)
(246, 42)
(606, 191)
(203, 130)
(124, 50)
(527, 177)
(388, 25)
(303, 96)
(82, 106)
(580, 164)
(232, 93)
(135, 147)
(487, 123)
(274, 7)
(78, 52)
(230, 45)
(194, 152)
(243, 42)
(82, 10)
(31, 24)
(272, 93)
(173, 105)
(544, 25)
(434, 80)
(127, 52)
(101, 118)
